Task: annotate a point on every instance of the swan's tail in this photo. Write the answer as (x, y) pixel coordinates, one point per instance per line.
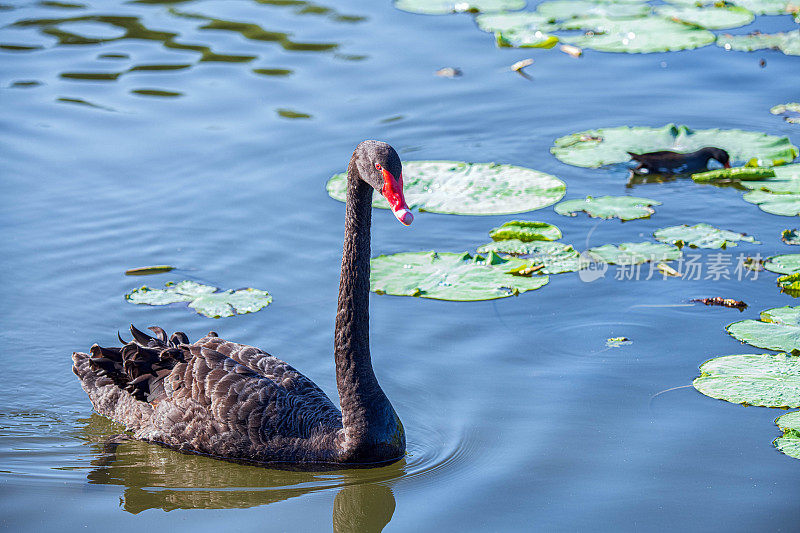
(138, 368)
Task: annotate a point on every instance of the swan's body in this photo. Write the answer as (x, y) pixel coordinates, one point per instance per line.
(239, 403)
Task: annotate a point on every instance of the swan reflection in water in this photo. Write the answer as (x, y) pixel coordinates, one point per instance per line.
(159, 478)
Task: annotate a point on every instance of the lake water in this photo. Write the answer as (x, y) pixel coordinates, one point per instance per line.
(201, 134)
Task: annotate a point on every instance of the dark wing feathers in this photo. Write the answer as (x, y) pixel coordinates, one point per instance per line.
(212, 396)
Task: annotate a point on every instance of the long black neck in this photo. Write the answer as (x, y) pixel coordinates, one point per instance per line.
(367, 415)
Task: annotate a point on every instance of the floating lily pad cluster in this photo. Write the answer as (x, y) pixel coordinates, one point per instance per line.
(456, 187)
(460, 277)
(626, 26)
(634, 34)
(778, 329)
(767, 380)
(203, 298)
(520, 259)
(550, 257)
(700, 236)
(607, 146)
(789, 266)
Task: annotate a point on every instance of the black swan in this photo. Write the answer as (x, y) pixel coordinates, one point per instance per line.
(236, 402)
(667, 162)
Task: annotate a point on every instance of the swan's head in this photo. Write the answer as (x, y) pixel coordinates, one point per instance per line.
(380, 166)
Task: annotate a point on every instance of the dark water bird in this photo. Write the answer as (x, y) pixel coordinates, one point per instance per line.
(236, 402)
(666, 162)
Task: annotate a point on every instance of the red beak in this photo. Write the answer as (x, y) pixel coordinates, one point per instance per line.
(727, 165)
(393, 192)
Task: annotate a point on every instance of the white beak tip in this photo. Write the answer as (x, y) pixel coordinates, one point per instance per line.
(404, 216)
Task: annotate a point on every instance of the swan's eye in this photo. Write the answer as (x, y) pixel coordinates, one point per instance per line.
(378, 166)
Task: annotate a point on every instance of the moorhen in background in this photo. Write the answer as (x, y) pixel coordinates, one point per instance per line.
(666, 162)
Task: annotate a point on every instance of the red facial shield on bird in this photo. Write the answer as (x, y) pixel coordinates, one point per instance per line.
(393, 192)
(726, 165)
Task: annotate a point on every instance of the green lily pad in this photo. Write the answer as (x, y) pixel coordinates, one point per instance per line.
(787, 315)
(444, 7)
(526, 231)
(779, 195)
(764, 7)
(635, 35)
(450, 276)
(789, 442)
(622, 207)
(790, 284)
(635, 253)
(738, 174)
(459, 188)
(784, 109)
(523, 29)
(759, 7)
(788, 42)
(711, 18)
(700, 236)
(203, 298)
(567, 9)
(777, 330)
(595, 148)
(555, 257)
(783, 264)
(765, 380)
(791, 236)
(787, 205)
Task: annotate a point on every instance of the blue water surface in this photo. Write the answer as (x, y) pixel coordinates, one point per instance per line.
(200, 133)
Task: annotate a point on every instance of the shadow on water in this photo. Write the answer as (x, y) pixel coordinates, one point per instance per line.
(159, 478)
(134, 28)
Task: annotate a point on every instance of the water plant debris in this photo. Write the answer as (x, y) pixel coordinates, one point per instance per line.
(616, 342)
(723, 302)
(791, 236)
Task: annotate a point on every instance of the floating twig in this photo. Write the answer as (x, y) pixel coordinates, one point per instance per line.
(521, 64)
(574, 51)
(723, 302)
(146, 271)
